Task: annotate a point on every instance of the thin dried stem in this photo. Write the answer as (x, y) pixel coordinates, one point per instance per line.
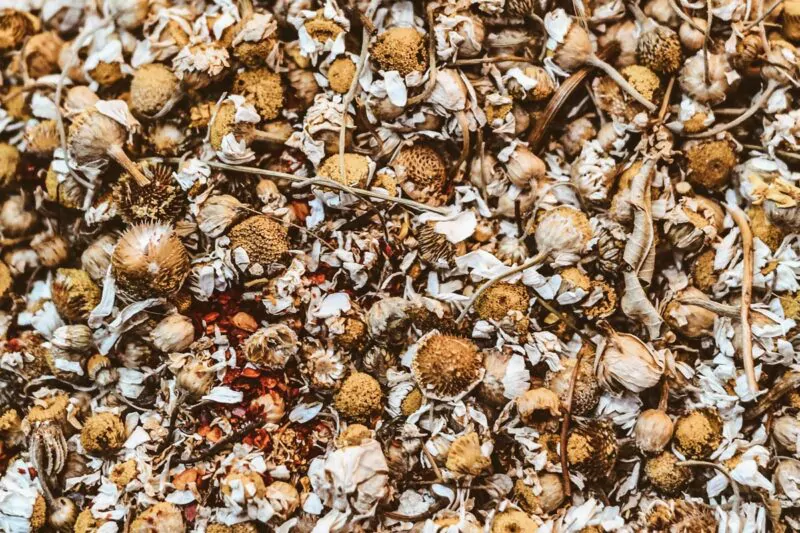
(463, 123)
(663, 399)
(684, 17)
(487, 60)
(573, 379)
(706, 34)
(482, 162)
(351, 92)
(433, 69)
(118, 154)
(723, 471)
(743, 224)
(533, 261)
(665, 102)
(752, 110)
(789, 382)
(319, 182)
(763, 17)
(612, 73)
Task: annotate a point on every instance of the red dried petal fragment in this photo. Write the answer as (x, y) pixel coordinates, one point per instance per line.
(301, 210)
(190, 511)
(183, 480)
(249, 372)
(210, 318)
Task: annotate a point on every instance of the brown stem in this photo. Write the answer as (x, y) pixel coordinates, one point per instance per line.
(752, 110)
(434, 70)
(706, 36)
(267, 136)
(465, 146)
(488, 59)
(789, 382)
(245, 8)
(620, 80)
(741, 221)
(723, 471)
(665, 102)
(663, 400)
(116, 152)
(573, 379)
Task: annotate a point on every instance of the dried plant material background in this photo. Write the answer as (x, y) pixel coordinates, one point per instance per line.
(460, 266)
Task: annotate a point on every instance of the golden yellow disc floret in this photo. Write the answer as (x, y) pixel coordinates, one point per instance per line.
(39, 513)
(710, 164)
(411, 403)
(341, 74)
(401, 49)
(643, 80)
(264, 240)
(360, 397)
(123, 473)
(422, 165)
(54, 408)
(74, 293)
(152, 87)
(446, 367)
(698, 433)
(496, 302)
(356, 169)
(666, 475)
(103, 433)
(162, 517)
(762, 228)
(513, 521)
(263, 88)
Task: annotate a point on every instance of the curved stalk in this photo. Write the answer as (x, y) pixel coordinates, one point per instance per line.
(434, 70)
(533, 261)
(118, 154)
(723, 471)
(351, 92)
(787, 383)
(741, 221)
(612, 73)
(269, 137)
(752, 110)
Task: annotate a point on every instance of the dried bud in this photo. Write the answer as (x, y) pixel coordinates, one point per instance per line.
(272, 346)
(786, 430)
(173, 334)
(74, 293)
(103, 433)
(465, 456)
(523, 166)
(692, 321)
(196, 377)
(401, 49)
(691, 37)
(75, 338)
(101, 371)
(653, 430)
(269, 406)
(360, 397)
(96, 258)
(564, 233)
(446, 367)
(51, 249)
(149, 260)
(592, 449)
(627, 363)
(283, 498)
(62, 513)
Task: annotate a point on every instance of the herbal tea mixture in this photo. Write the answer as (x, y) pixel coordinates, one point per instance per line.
(431, 266)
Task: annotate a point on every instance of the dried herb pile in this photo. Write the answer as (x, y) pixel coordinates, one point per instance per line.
(459, 266)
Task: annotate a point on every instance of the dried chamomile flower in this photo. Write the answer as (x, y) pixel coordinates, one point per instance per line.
(513, 520)
(501, 299)
(199, 65)
(263, 240)
(592, 449)
(149, 260)
(681, 515)
(42, 139)
(446, 367)
(263, 88)
(162, 517)
(627, 363)
(402, 49)
(74, 293)
(255, 40)
(538, 406)
(340, 74)
(357, 169)
(698, 434)
(162, 200)
(422, 172)
(465, 456)
(360, 397)
(94, 135)
(15, 26)
(154, 89)
(763, 229)
(666, 475)
(9, 165)
(103, 433)
(653, 430)
(693, 81)
(658, 47)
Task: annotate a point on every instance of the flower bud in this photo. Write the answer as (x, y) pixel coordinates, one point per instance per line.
(196, 377)
(692, 321)
(627, 363)
(523, 166)
(75, 338)
(786, 430)
(173, 334)
(653, 430)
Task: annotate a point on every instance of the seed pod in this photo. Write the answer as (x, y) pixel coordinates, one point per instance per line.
(666, 475)
(653, 430)
(422, 173)
(93, 136)
(62, 514)
(523, 167)
(786, 430)
(74, 293)
(627, 363)
(692, 321)
(659, 47)
(698, 434)
(691, 37)
(592, 449)
(161, 201)
(446, 367)
(465, 456)
(538, 407)
(174, 333)
(15, 26)
(74, 338)
(149, 260)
